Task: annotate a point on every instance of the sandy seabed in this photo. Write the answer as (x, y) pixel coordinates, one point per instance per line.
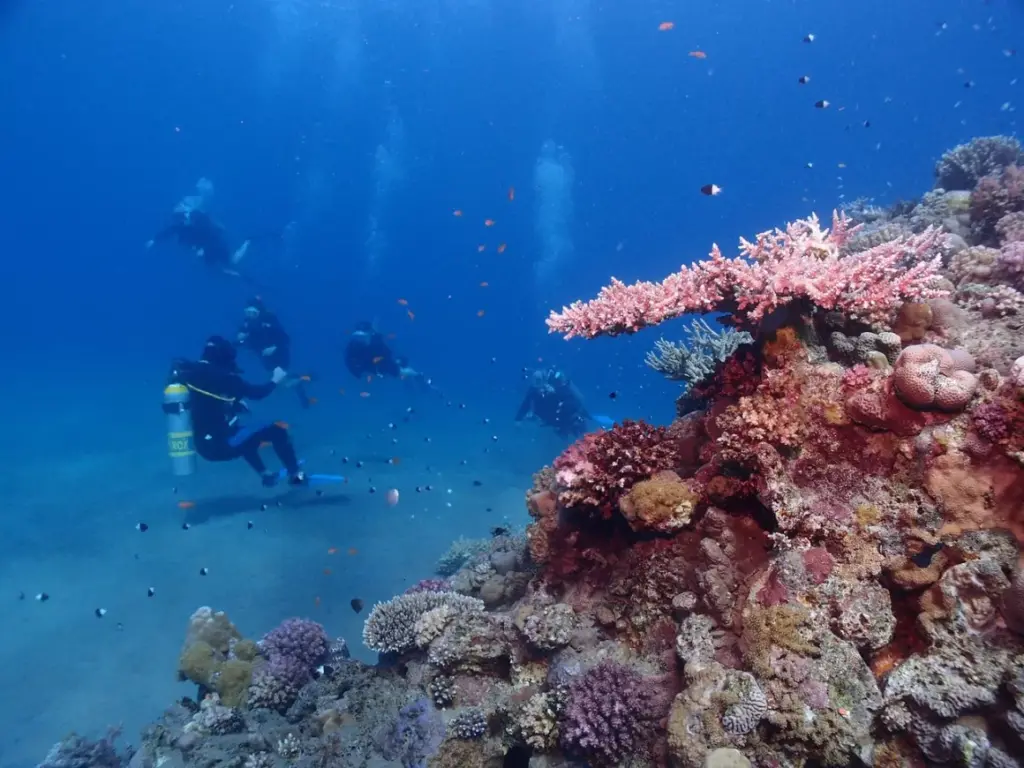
(84, 478)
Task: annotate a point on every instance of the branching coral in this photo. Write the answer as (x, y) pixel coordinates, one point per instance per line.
(300, 639)
(802, 263)
(391, 626)
(963, 166)
(695, 359)
(994, 197)
(611, 715)
(601, 466)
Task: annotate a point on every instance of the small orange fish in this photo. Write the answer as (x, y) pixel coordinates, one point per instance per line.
(456, 213)
(396, 460)
(327, 571)
(316, 601)
(480, 313)
(332, 550)
(265, 444)
(312, 400)
(697, 54)
(484, 284)
(481, 248)
(488, 222)
(511, 194)
(377, 359)
(186, 504)
(341, 390)
(353, 551)
(502, 247)
(842, 165)
(665, 26)
(411, 315)
(369, 379)
(364, 394)
(305, 378)
(282, 424)
(403, 302)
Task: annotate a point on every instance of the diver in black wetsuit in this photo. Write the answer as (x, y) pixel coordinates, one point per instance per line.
(217, 396)
(368, 354)
(556, 402)
(263, 334)
(195, 229)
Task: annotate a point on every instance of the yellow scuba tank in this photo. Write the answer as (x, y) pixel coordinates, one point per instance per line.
(181, 444)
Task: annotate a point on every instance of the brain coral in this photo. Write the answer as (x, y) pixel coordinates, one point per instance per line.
(928, 376)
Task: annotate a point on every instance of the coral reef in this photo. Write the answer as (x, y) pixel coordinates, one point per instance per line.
(817, 563)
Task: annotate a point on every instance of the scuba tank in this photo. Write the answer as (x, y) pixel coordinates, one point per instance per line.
(181, 445)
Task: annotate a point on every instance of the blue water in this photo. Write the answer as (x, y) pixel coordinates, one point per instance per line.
(352, 131)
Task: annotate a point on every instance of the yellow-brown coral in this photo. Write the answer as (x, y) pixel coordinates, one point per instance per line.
(664, 503)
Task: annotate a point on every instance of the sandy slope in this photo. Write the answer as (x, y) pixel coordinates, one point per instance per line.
(68, 529)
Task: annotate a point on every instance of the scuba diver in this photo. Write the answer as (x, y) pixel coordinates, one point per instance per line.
(262, 333)
(217, 396)
(368, 354)
(193, 227)
(556, 402)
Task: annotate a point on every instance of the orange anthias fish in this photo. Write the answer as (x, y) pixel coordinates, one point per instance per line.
(456, 213)
(665, 26)
(411, 315)
(481, 248)
(484, 284)
(377, 359)
(403, 302)
(488, 222)
(313, 400)
(265, 444)
(511, 194)
(480, 313)
(697, 54)
(186, 504)
(305, 378)
(327, 571)
(364, 394)
(332, 550)
(502, 247)
(282, 424)
(353, 551)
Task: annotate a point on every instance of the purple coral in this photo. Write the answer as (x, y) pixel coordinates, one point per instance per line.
(991, 421)
(277, 683)
(413, 736)
(611, 714)
(300, 639)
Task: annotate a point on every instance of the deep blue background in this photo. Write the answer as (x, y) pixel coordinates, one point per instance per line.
(113, 108)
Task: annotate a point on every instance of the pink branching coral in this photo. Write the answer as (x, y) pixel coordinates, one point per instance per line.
(601, 466)
(610, 715)
(779, 268)
(928, 376)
